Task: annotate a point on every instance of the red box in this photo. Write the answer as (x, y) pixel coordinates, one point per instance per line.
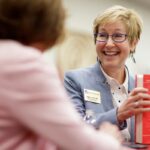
(142, 121)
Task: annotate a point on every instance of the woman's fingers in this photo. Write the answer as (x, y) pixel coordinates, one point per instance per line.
(137, 90)
(137, 102)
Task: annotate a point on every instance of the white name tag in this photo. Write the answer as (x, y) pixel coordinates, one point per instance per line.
(92, 96)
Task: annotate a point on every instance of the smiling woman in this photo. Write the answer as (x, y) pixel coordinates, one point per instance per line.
(114, 50)
(116, 34)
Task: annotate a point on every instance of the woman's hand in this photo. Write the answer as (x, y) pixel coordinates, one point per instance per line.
(137, 102)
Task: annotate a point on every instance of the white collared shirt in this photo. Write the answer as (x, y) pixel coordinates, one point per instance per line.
(119, 93)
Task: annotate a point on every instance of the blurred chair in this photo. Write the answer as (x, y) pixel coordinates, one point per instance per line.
(77, 50)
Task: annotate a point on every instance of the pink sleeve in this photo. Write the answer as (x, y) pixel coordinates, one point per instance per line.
(35, 97)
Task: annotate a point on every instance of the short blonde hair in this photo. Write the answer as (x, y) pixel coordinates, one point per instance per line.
(129, 17)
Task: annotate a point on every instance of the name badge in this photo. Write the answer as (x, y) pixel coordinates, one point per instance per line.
(92, 96)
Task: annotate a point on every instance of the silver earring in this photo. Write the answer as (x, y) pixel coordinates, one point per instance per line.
(132, 57)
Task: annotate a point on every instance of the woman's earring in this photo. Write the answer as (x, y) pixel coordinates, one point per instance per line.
(132, 56)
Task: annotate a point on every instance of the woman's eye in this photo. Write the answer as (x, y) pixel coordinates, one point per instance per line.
(117, 35)
(102, 35)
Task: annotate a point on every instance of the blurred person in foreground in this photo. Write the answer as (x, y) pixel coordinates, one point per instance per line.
(35, 113)
(106, 89)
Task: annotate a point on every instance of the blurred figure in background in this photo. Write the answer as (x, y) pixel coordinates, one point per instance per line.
(35, 113)
(76, 51)
(105, 91)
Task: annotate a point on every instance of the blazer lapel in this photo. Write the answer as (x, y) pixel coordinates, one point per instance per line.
(103, 87)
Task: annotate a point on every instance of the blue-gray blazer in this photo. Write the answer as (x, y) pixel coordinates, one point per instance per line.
(92, 78)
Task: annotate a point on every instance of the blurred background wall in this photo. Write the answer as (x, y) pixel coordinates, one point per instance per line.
(81, 14)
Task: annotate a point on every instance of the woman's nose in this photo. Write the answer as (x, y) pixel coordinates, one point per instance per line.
(109, 41)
